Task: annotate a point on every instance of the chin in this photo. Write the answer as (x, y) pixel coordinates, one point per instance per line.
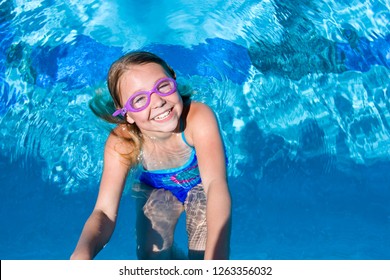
(169, 125)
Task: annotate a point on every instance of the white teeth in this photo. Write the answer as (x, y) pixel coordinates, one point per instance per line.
(162, 116)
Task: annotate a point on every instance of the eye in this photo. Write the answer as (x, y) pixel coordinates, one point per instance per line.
(139, 101)
(165, 87)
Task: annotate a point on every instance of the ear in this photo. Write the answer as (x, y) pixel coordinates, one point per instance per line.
(129, 119)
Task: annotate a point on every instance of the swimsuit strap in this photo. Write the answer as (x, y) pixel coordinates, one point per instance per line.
(183, 135)
(185, 140)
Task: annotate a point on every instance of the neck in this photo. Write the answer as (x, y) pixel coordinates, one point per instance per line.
(157, 136)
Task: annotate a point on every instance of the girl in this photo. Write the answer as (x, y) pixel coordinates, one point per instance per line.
(178, 145)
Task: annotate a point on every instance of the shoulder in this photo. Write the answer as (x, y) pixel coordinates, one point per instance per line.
(199, 112)
(201, 121)
(116, 137)
(121, 146)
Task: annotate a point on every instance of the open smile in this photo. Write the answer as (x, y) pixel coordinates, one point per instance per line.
(163, 116)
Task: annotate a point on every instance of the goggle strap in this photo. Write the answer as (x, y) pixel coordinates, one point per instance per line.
(119, 112)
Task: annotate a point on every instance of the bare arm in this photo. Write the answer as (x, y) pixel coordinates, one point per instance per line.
(212, 166)
(101, 223)
(96, 233)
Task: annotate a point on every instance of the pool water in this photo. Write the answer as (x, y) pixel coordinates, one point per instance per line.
(300, 88)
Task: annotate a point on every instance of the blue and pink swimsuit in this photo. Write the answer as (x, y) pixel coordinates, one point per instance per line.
(179, 180)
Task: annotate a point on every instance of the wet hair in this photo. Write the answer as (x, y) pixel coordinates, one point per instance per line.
(104, 107)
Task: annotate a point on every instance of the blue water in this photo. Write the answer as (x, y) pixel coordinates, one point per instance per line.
(301, 90)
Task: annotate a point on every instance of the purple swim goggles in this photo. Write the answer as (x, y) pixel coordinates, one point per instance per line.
(141, 99)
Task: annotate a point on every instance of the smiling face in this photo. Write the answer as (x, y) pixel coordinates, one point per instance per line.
(163, 113)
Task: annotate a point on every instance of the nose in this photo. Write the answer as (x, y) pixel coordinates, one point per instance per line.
(156, 100)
